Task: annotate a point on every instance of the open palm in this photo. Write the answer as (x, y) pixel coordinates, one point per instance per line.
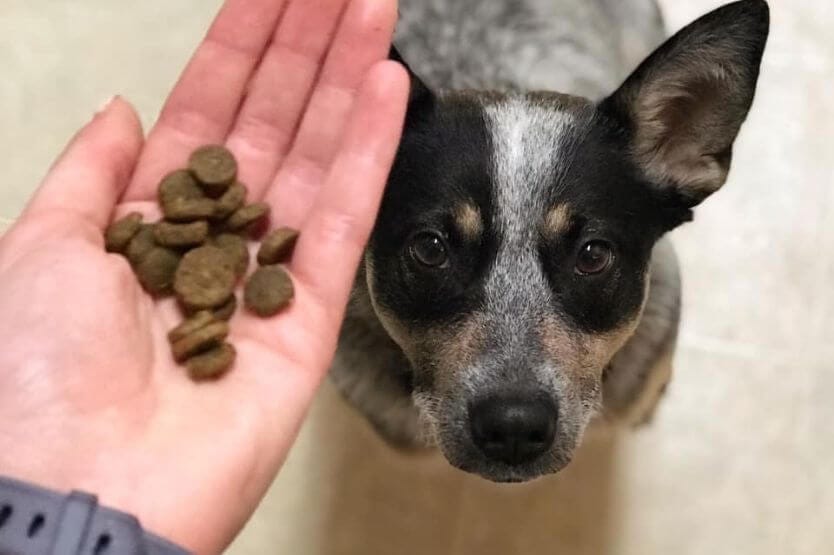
(90, 397)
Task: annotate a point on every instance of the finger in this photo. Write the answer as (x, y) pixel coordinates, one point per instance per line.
(205, 101)
(91, 174)
(280, 89)
(363, 39)
(344, 212)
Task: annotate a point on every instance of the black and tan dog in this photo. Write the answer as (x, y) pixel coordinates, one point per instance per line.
(517, 283)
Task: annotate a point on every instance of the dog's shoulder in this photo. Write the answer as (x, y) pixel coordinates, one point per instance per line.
(639, 372)
(372, 373)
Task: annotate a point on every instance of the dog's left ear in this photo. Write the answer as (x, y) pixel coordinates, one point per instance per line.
(421, 100)
(686, 103)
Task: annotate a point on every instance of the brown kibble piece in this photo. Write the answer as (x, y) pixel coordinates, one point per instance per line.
(214, 167)
(178, 185)
(213, 363)
(248, 216)
(181, 235)
(196, 322)
(223, 312)
(118, 235)
(188, 210)
(269, 290)
(235, 248)
(141, 244)
(156, 270)
(226, 311)
(205, 278)
(277, 247)
(201, 340)
(232, 199)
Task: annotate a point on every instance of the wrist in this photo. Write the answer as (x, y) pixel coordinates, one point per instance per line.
(35, 520)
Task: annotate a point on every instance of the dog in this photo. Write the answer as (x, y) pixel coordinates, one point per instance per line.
(519, 283)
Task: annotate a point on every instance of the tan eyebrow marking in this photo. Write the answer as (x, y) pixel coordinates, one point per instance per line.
(469, 221)
(557, 221)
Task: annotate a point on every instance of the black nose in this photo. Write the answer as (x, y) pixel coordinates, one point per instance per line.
(513, 430)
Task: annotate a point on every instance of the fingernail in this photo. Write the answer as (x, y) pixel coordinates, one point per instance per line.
(106, 104)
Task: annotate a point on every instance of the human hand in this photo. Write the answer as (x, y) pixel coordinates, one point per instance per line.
(90, 397)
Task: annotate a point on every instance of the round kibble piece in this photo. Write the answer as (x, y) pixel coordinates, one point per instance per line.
(181, 235)
(156, 270)
(205, 278)
(214, 167)
(248, 216)
(226, 311)
(118, 235)
(188, 210)
(201, 340)
(235, 248)
(268, 291)
(141, 244)
(232, 199)
(178, 185)
(213, 363)
(196, 322)
(277, 247)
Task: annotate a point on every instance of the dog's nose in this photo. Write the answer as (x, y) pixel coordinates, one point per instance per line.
(513, 430)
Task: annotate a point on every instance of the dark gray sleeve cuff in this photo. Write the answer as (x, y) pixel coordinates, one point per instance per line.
(35, 521)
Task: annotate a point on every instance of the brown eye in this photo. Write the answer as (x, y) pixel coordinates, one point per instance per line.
(429, 249)
(594, 258)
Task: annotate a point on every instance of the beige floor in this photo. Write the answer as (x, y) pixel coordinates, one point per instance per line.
(739, 458)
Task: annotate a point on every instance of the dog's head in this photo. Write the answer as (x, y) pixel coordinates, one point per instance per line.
(510, 257)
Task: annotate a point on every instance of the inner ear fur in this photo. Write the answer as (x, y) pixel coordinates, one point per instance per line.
(685, 105)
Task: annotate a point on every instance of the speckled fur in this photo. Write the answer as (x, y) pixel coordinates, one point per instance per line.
(414, 383)
(580, 47)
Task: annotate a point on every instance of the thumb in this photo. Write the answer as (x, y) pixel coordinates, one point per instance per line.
(90, 175)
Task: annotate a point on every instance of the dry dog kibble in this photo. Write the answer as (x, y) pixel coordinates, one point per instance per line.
(232, 199)
(226, 311)
(277, 247)
(156, 270)
(268, 291)
(178, 185)
(181, 235)
(214, 167)
(247, 217)
(201, 340)
(213, 363)
(205, 278)
(189, 209)
(199, 251)
(141, 244)
(235, 248)
(196, 322)
(118, 235)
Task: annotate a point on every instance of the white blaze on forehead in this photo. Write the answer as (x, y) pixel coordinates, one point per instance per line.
(527, 140)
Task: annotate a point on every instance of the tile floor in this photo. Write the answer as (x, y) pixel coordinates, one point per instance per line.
(737, 461)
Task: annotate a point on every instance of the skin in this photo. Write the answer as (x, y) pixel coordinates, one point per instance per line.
(90, 397)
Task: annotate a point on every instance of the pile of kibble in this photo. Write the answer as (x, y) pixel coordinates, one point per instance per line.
(198, 252)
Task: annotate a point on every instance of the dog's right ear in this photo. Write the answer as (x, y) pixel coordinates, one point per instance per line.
(686, 103)
(421, 100)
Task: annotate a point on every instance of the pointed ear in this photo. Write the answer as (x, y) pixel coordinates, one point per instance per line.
(421, 100)
(686, 103)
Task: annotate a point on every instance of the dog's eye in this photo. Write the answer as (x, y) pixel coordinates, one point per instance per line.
(429, 249)
(594, 258)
